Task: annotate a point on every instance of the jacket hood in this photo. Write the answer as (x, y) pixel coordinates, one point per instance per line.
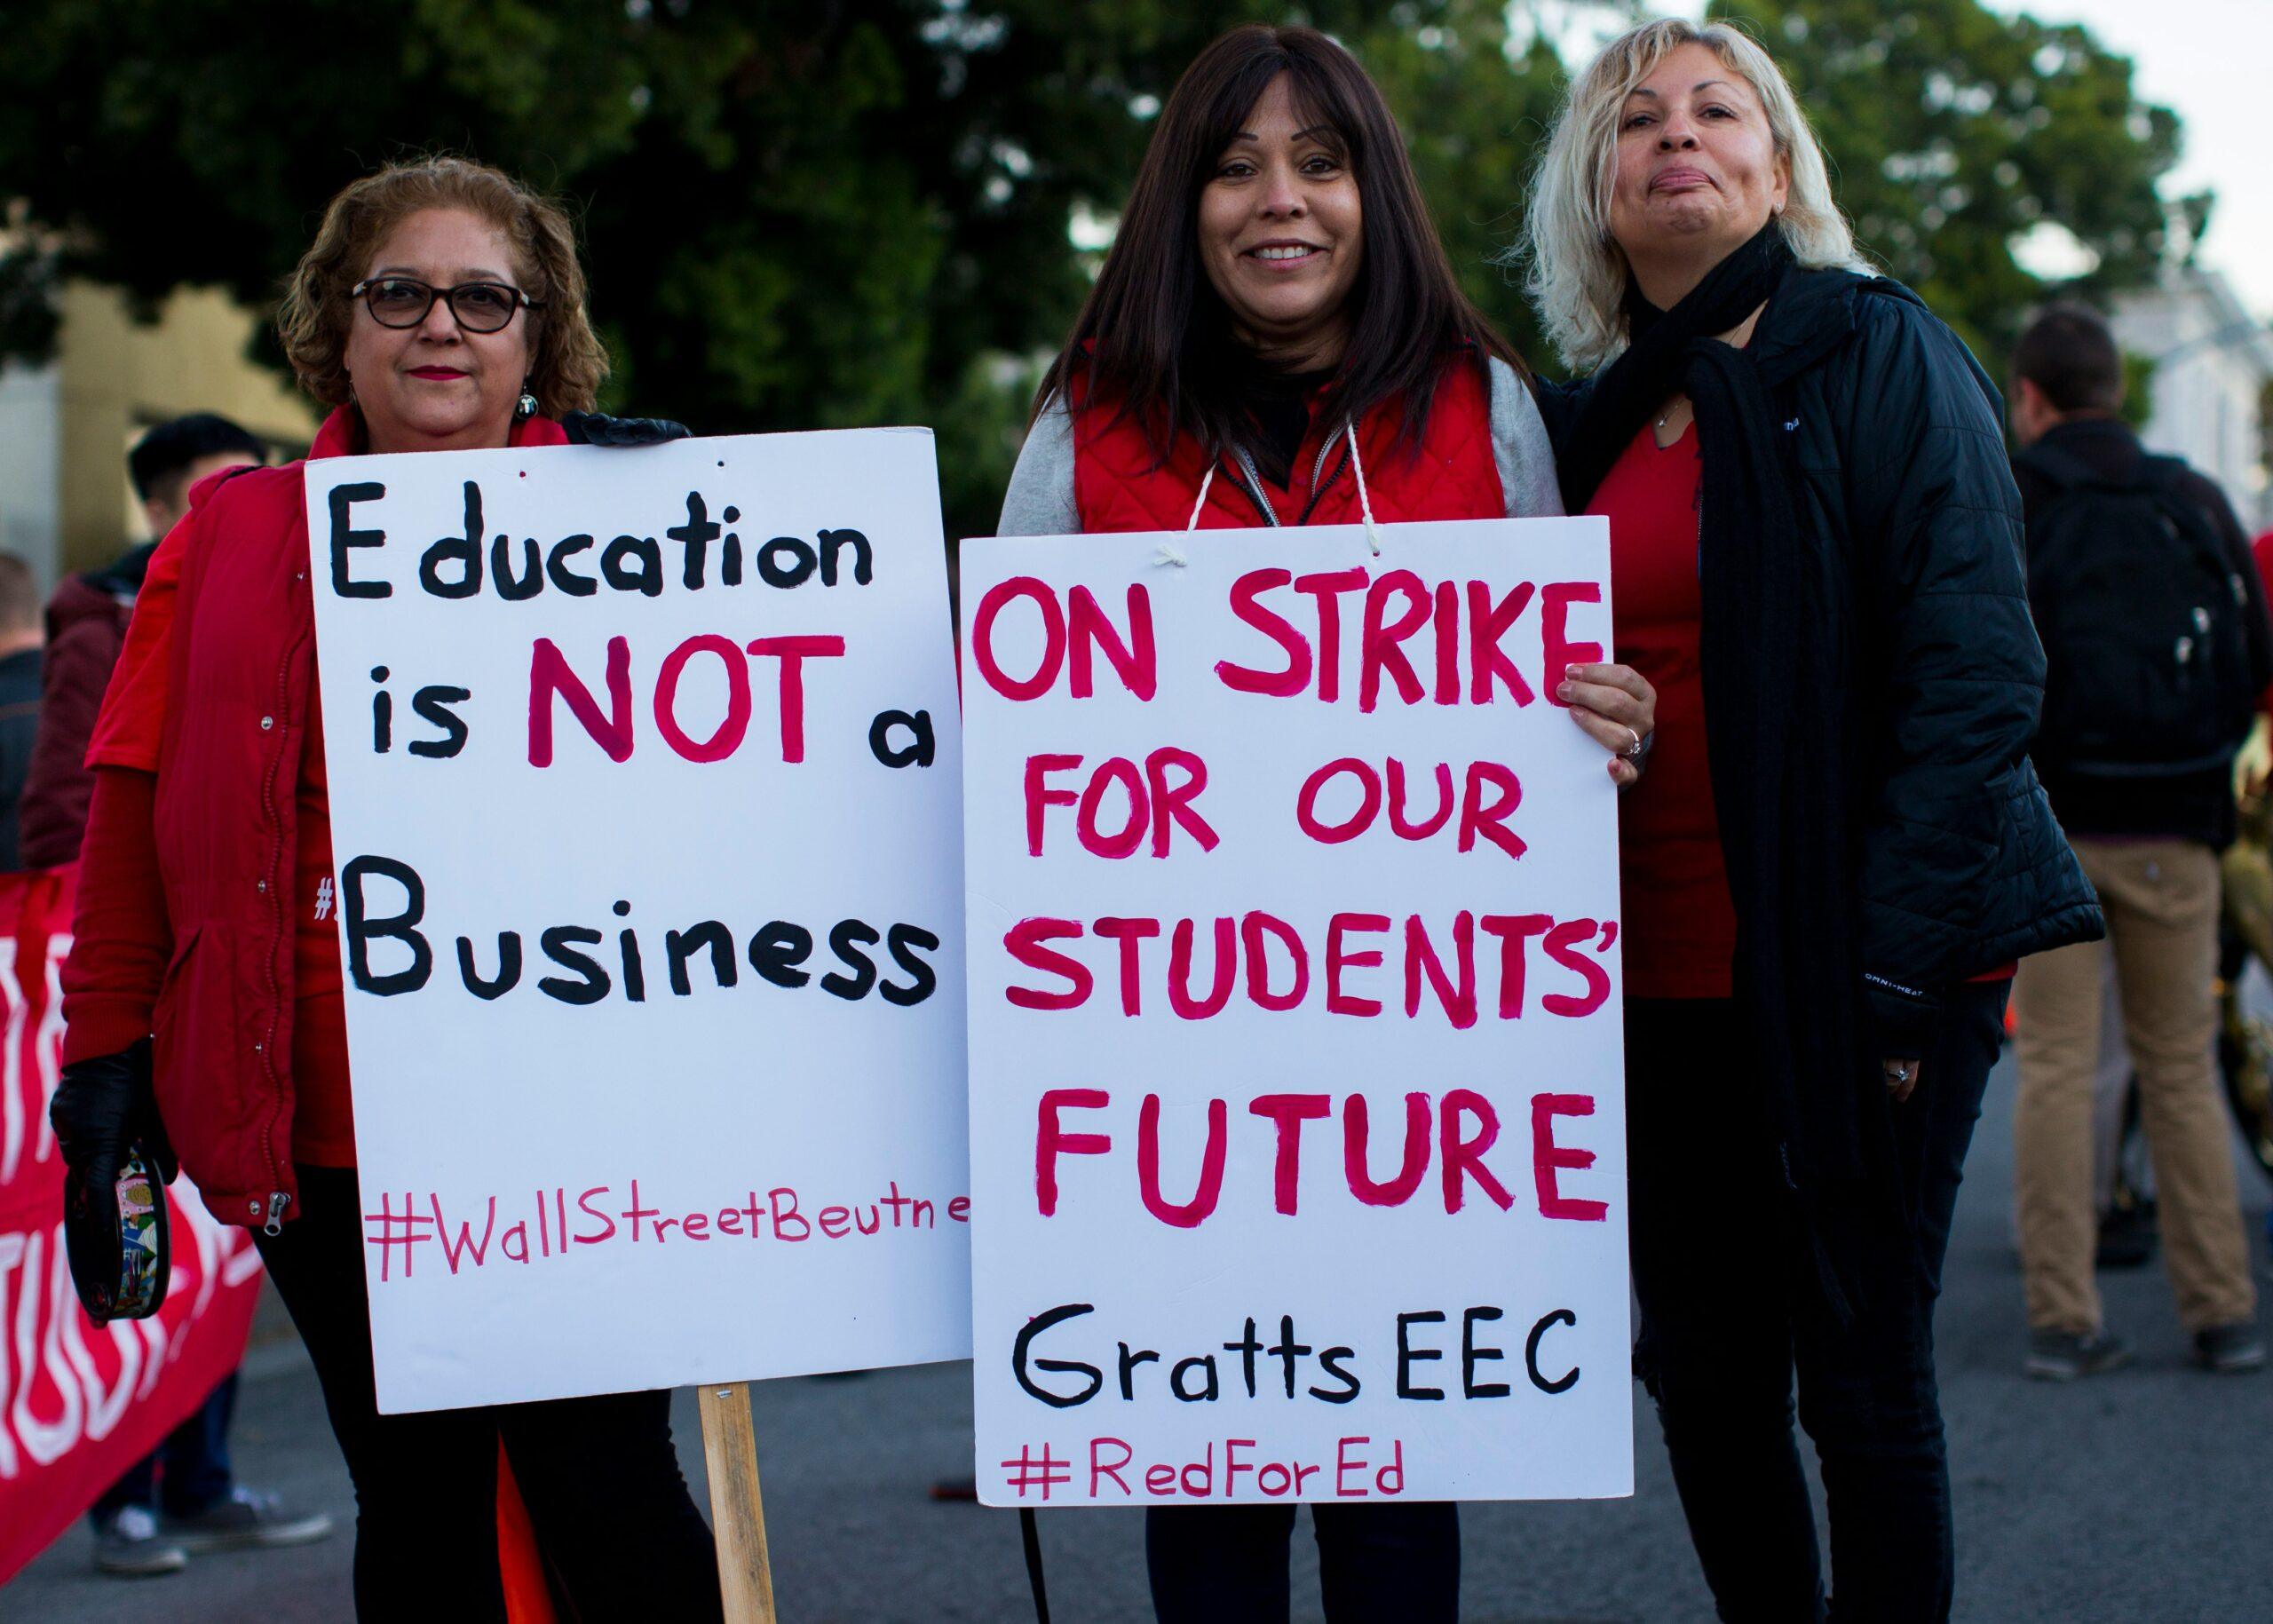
(1812, 314)
(95, 594)
(1809, 315)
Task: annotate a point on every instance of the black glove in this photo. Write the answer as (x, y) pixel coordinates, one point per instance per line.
(599, 429)
(105, 1111)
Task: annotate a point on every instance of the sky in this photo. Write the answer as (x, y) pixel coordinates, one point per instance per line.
(2210, 61)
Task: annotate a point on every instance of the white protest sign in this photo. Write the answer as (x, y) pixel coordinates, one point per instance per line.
(643, 772)
(1297, 1129)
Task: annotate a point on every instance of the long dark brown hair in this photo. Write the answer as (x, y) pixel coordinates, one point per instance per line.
(1154, 336)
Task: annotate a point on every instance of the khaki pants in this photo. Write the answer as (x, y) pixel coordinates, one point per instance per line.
(2161, 901)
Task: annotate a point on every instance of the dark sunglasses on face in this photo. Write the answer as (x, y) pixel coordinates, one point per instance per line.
(479, 308)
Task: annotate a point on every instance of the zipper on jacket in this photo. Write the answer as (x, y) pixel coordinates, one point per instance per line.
(1318, 487)
(1318, 466)
(279, 922)
(1250, 481)
(277, 1202)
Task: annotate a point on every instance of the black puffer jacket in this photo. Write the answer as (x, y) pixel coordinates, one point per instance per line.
(1894, 440)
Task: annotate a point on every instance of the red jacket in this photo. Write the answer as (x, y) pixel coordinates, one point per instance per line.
(183, 929)
(1119, 485)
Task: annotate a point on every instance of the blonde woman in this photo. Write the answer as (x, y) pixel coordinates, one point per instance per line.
(1840, 847)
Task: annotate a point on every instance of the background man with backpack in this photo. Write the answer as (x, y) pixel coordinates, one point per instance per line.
(2156, 646)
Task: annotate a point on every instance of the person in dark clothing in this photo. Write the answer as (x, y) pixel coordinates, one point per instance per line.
(1840, 847)
(2156, 622)
(2072, 347)
(19, 661)
(86, 627)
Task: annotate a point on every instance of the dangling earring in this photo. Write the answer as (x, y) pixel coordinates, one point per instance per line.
(525, 408)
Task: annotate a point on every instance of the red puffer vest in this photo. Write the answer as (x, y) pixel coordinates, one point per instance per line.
(212, 694)
(1120, 484)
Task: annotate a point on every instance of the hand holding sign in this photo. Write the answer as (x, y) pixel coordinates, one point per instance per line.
(1617, 708)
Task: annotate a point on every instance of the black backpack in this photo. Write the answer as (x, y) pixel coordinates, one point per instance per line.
(2144, 623)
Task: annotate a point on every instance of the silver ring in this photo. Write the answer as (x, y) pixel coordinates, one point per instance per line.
(1632, 752)
(1896, 1074)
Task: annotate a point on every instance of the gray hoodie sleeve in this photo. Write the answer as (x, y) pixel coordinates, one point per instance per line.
(1519, 446)
(1039, 501)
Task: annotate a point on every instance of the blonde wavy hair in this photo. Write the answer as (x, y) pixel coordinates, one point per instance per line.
(566, 360)
(1577, 277)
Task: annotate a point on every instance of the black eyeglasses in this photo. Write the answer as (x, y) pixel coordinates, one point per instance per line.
(479, 308)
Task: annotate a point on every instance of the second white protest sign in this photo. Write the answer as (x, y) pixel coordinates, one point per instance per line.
(1296, 1113)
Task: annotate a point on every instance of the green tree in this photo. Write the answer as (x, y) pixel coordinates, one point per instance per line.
(1954, 131)
(826, 213)
(1475, 107)
(847, 212)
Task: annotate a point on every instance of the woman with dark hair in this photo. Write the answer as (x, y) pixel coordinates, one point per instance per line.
(1277, 338)
(1840, 848)
(440, 307)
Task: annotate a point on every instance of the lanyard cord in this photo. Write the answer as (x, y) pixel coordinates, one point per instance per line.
(1357, 468)
(1365, 497)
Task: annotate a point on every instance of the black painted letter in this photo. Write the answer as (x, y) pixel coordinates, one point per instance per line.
(362, 930)
(343, 497)
(1035, 1327)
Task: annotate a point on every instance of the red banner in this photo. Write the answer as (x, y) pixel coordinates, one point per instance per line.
(80, 1403)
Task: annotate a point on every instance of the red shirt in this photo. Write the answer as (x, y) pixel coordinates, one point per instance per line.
(1681, 925)
(323, 1123)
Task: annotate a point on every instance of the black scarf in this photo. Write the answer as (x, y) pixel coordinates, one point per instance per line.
(1775, 659)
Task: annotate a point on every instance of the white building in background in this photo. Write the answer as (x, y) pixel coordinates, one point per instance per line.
(2214, 363)
(65, 424)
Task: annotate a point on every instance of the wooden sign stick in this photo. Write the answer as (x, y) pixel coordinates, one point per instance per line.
(737, 1515)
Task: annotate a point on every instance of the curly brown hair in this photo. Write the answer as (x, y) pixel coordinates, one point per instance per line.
(567, 361)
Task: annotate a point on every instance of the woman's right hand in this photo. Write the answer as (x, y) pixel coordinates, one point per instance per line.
(104, 1110)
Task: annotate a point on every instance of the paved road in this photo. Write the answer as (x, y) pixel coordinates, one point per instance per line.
(2144, 1495)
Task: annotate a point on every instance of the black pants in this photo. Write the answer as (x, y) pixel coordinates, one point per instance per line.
(188, 1473)
(1227, 1565)
(1728, 1315)
(620, 1535)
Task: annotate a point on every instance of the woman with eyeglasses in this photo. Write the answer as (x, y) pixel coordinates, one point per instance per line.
(1276, 337)
(440, 308)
